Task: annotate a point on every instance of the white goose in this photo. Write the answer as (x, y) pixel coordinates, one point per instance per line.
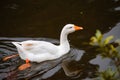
(38, 51)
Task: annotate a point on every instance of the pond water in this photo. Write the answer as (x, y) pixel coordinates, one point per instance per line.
(43, 20)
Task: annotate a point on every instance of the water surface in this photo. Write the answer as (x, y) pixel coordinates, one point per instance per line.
(43, 20)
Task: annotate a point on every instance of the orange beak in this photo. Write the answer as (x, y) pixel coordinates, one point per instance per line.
(78, 28)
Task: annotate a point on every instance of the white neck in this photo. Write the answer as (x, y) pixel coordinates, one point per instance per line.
(64, 44)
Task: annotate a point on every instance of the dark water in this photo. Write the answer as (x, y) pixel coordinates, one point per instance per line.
(43, 19)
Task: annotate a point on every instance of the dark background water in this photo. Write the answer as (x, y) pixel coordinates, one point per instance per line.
(45, 18)
(36, 18)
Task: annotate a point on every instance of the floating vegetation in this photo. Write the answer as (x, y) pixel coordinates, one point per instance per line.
(107, 50)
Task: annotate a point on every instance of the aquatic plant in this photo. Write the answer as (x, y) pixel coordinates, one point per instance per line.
(107, 50)
(108, 74)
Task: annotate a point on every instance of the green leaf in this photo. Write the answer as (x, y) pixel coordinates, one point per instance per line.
(98, 34)
(118, 49)
(118, 41)
(108, 74)
(107, 40)
(112, 48)
(93, 40)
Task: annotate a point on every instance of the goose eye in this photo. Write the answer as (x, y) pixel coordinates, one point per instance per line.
(70, 27)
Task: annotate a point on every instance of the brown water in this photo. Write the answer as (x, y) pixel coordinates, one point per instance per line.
(43, 20)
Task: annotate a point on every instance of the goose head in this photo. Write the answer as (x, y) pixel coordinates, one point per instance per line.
(69, 28)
